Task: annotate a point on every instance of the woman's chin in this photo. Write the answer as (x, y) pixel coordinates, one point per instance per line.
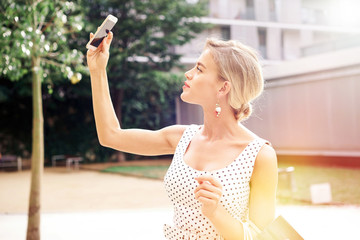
(182, 97)
(186, 99)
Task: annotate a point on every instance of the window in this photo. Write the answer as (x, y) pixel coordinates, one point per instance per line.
(250, 10)
(273, 10)
(262, 41)
(225, 32)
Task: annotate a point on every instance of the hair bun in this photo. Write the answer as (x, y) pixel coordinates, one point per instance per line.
(243, 112)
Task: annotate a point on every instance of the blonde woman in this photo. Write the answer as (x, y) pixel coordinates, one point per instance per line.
(222, 176)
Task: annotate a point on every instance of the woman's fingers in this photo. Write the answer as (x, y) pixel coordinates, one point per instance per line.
(98, 58)
(206, 194)
(90, 51)
(107, 41)
(208, 187)
(210, 179)
(207, 201)
(104, 46)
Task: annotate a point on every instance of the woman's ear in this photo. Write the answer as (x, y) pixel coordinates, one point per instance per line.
(225, 88)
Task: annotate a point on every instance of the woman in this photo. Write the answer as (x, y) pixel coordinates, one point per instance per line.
(223, 176)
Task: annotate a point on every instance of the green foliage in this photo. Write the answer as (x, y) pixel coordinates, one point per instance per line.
(151, 100)
(142, 54)
(144, 41)
(34, 30)
(15, 118)
(40, 29)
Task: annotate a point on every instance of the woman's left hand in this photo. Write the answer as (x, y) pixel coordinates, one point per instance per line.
(208, 193)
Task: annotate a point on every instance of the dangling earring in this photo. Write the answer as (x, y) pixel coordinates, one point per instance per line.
(217, 109)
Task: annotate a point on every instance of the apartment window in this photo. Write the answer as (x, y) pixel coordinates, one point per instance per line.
(262, 42)
(250, 3)
(250, 9)
(225, 32)
(273, 9)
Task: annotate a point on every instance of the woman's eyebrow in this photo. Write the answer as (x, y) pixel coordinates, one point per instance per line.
(201, 64)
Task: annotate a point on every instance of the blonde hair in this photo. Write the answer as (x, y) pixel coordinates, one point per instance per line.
(238, 64)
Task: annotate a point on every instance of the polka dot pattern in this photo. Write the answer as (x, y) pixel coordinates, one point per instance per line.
(180, 184)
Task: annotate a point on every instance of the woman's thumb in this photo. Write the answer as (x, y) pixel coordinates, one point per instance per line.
(109, 37)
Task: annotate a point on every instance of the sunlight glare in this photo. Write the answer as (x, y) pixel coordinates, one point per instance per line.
(345, 13)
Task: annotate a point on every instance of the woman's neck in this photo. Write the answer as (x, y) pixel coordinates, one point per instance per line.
(223, 126)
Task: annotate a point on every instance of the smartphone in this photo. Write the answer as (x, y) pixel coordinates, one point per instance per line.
(102, 32)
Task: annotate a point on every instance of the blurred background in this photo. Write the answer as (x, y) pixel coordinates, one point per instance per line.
(310, 53)
(308, 50)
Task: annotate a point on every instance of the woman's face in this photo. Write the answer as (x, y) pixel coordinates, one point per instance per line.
(202, 84)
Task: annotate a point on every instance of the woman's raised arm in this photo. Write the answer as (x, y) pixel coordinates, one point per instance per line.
(110, 134)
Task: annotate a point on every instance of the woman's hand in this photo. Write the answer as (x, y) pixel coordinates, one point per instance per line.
(98, 59)
(208, 193)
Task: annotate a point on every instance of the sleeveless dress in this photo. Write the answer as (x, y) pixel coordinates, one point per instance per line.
(189, 222)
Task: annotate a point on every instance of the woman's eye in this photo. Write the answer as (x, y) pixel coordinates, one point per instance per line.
(197, 68)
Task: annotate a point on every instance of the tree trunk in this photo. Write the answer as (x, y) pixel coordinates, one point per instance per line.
(37, 158)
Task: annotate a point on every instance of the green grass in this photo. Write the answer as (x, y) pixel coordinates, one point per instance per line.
(155, 172)
(345, 182)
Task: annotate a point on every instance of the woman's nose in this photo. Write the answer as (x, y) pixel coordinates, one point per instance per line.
(188, 75)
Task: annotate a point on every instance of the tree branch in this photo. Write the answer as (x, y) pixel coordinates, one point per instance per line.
(49, 23)
(51, 62)
(52, 54)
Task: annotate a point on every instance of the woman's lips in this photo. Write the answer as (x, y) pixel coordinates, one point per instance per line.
(186, 85)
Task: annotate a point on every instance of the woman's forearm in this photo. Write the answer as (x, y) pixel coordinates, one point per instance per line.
(105, 117)
(229, 227)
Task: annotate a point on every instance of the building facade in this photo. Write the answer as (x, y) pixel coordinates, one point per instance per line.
(309, 106)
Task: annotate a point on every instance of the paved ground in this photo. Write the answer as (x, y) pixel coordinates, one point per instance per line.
(91, 205)
(65, 191)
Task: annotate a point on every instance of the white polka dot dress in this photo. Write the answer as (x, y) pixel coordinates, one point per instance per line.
(180, 183)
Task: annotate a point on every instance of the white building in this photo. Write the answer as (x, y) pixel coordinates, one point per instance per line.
(310, 51)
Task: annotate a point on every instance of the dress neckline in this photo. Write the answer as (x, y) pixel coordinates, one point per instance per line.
(215, 170)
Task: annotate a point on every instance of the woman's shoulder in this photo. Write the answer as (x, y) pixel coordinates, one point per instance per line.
(266, 161)
(175, 133)
(177, 130)
(267, 152)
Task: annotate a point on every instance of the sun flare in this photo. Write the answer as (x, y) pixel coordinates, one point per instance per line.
(344, 13)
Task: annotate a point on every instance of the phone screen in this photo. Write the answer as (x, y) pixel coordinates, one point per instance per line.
(102, 33)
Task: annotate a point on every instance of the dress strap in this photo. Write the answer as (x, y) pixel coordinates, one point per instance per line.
(259, 143)
(185, 140)
(187, 136)
(253, 151)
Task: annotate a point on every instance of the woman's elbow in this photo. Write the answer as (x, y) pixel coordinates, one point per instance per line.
(105, 139)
